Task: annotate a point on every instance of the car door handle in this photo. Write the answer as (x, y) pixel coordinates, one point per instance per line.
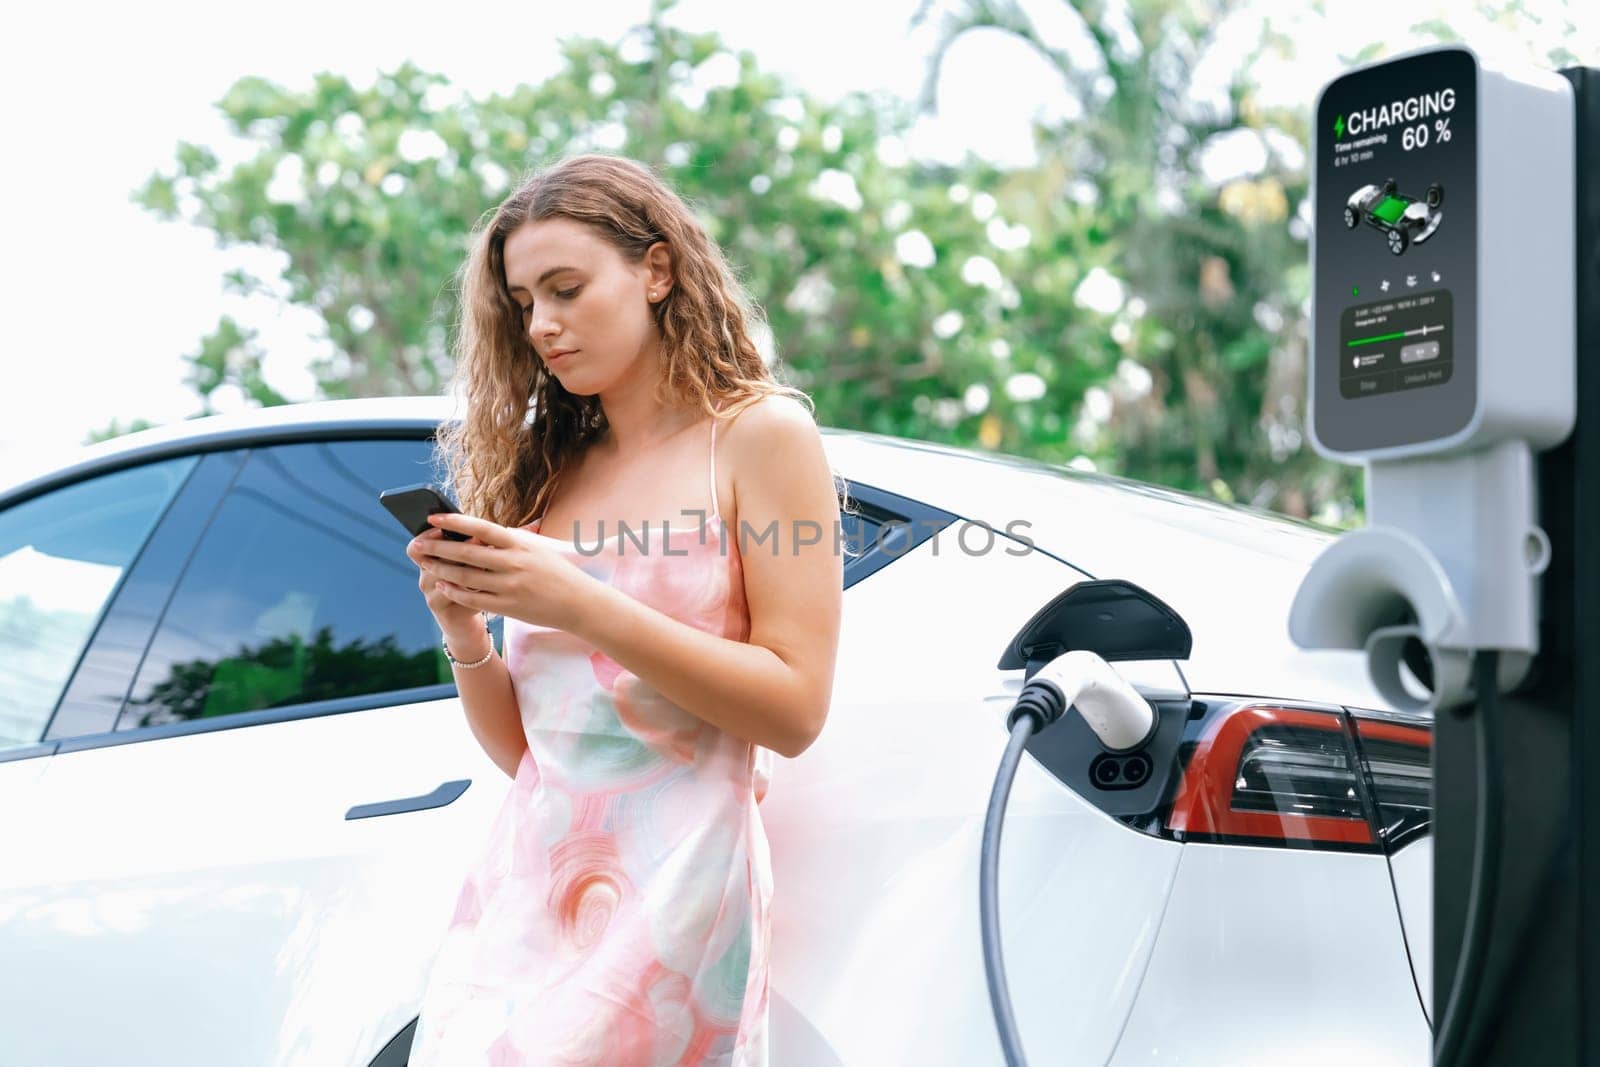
(445, 794)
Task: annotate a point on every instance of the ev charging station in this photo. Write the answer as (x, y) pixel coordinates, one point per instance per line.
(1455, 331)
(1455, 354)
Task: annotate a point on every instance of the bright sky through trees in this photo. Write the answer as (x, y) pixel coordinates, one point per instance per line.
(103, 299)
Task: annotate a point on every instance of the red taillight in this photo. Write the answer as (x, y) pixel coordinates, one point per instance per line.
(1399, 765)
(1273, 775)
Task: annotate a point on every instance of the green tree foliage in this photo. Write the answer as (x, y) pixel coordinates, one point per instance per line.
(370, 193)
(1213, 278)
(116, 428)
(925, 301)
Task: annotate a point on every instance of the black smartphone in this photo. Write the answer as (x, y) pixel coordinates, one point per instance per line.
(412, 504)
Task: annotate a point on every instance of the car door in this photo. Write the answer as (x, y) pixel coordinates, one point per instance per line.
(253, 859)
(63, 555)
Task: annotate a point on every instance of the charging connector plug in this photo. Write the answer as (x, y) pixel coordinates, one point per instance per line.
(1123, 720)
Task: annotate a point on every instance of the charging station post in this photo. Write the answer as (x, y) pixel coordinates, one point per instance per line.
(1456, 296)
(1539, 996)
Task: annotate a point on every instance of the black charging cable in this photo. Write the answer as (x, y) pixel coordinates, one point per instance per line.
(1035, 709)
(1462, 1024)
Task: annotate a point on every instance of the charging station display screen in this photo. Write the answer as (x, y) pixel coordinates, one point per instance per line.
(1395, 260)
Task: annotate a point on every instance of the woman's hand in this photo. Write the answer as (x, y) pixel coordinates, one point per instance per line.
(503, 571)
(455, 620)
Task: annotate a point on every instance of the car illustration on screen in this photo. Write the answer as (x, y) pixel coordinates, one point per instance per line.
(1405, 220)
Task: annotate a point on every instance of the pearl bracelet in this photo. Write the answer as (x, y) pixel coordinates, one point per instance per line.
(487, 656)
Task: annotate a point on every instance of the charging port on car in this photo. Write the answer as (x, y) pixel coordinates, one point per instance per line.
(1120, 772)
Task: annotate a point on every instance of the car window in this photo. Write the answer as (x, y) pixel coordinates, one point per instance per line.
(859, 534)
(879, 527)
(62, 556)
(300, 591)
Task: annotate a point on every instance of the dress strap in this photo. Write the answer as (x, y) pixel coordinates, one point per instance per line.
(714, 510)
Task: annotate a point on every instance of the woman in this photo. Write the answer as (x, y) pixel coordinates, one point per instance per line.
(619, 913)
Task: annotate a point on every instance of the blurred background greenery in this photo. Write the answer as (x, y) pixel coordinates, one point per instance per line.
(1109, 307)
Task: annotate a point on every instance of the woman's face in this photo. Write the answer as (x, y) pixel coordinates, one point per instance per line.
(586, 310)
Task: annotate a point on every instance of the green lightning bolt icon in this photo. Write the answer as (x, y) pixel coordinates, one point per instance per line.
(1338, 126)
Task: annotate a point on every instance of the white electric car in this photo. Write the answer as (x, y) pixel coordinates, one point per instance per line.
(239, 793)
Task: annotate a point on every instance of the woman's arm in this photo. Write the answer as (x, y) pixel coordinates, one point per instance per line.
(775, 689)
(489, 700)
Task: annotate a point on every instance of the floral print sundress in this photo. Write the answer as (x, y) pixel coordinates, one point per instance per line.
(619, 912)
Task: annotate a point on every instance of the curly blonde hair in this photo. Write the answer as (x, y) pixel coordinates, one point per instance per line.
(522, 428)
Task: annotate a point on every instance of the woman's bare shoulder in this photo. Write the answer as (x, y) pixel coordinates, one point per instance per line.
(772, 427)
(773, 415)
